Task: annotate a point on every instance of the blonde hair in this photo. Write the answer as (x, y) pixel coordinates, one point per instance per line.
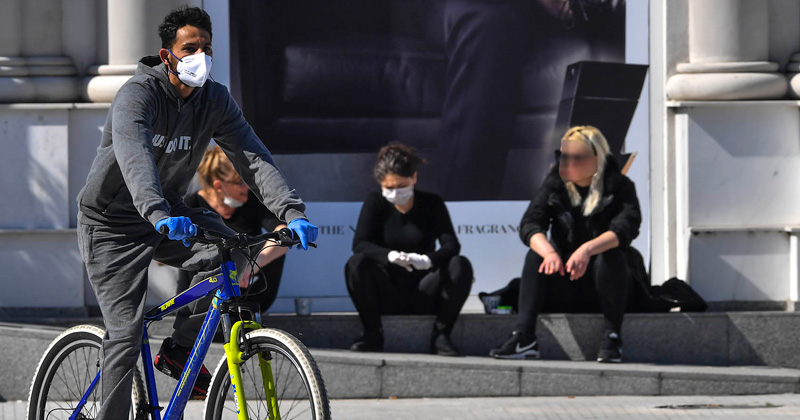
(216, 166)
(593, 139)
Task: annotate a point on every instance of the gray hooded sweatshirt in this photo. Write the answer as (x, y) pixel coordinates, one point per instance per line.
(152, 144)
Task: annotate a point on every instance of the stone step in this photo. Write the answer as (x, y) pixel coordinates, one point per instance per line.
(388, 375)
(403, 375)
(710, 338)
(23, 345)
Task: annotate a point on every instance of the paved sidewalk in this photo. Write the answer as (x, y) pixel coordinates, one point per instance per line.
(781, 406)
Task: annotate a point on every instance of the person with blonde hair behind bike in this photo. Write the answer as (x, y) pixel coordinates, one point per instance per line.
(225, 193)
(591, 211)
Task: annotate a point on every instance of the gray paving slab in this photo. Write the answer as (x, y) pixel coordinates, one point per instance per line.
(777, 406)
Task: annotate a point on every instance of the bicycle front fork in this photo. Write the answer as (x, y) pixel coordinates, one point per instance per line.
(235, 356)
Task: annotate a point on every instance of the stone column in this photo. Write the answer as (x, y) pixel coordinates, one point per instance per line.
(33, 67)
(79, 33)
(728, 54)
(793, 72)
(14, 86)
(127, 26)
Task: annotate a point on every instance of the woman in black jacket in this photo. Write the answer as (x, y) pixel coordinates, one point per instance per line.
(592, 212)
(223, 192)
(395, 268)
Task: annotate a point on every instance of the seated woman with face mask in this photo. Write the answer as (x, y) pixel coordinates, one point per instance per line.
(226, 194)
(591, 211)
(396, 268)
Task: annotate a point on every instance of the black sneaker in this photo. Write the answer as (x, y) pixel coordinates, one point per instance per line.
(171, 359)
(442, 345)
(610, 348)
(369, 342)
(518, 346)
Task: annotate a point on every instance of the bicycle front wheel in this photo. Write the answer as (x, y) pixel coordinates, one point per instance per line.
(66, 371)
(298, 387)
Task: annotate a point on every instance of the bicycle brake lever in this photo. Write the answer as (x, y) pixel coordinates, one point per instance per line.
(286, 237)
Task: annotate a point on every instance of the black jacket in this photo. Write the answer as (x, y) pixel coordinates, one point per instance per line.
(617, 211)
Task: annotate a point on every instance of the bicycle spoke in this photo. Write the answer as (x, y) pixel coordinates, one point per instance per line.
(73, 373)
(283, 389)
(255, 380)
(67, 376)
(69, 371)
(294, 400)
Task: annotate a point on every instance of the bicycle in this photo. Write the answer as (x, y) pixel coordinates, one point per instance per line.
(265, 373)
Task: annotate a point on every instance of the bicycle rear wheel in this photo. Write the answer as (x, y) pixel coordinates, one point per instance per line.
(299, 387)
(66, 371)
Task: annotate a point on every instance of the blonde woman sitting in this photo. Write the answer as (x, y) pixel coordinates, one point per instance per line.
(591, 211)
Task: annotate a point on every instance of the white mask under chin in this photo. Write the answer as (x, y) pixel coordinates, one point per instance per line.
(232, 202)
(398, 196)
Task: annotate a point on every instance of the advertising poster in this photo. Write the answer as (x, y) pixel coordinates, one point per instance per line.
(473, 85)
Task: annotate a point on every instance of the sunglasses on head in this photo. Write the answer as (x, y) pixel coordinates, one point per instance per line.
(588, 140)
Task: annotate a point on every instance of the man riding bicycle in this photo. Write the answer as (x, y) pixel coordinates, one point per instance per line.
(157, 130)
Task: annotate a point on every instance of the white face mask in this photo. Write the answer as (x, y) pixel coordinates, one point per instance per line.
(193, 70)
(231, 202)
(398, 196)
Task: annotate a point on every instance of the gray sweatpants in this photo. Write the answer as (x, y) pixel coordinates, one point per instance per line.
(117, 258)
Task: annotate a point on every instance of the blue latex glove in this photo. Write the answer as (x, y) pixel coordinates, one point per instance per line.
(180, 228)
(304, 230)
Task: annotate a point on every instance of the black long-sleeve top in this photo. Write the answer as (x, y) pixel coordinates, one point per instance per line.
(618, 211)
(382, 228)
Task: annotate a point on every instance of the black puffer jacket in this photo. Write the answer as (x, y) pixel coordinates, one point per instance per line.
(617, 211)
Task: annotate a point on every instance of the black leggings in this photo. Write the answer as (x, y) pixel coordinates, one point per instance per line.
(603, 288)
(387, 289)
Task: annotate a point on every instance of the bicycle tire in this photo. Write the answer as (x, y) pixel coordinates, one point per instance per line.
(77, 350)
(294, 366)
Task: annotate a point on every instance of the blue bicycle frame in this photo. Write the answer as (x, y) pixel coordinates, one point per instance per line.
(226, 286)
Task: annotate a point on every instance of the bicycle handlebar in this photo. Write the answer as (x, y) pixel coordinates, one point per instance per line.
(284, 237)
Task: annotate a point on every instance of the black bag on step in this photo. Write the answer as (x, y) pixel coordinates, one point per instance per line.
(674, 293)
(680, 294)
(509, 296)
